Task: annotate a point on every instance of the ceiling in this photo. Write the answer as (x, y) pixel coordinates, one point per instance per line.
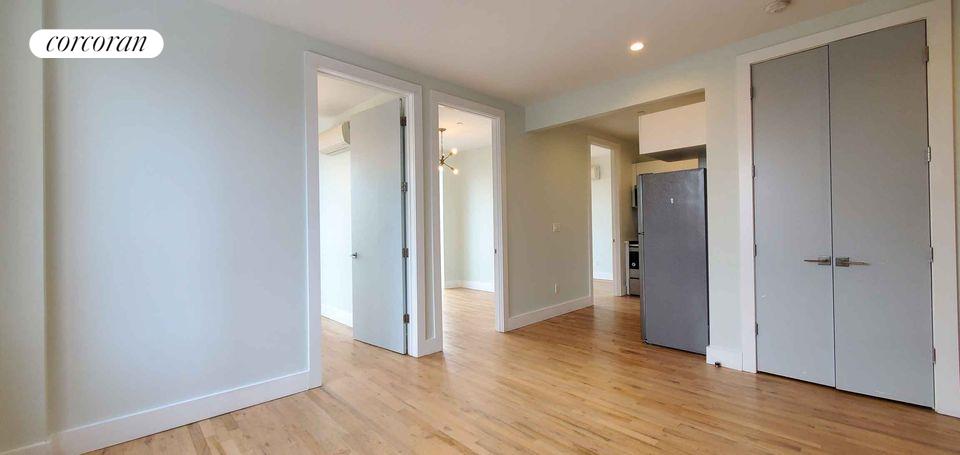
(624, 124)
(529, 50)
(337, 96)
(465, 131)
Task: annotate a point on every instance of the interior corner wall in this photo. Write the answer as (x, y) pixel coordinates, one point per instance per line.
(714, 72)
(627, 154)
(23, 404)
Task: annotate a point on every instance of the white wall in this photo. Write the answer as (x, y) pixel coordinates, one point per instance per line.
(468, 221)
(713, 72)
(336, 267)
(175, 208)
(23, 404)
(601, 212)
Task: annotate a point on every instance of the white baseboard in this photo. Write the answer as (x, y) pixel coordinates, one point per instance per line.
(337, 314)
(728, 358)
(40, 448)
(520, 320)
(475, 285)
(478, 285)
(132, 426)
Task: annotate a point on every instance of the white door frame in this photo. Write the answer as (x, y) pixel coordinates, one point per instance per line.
(498, 121)
(616, 232)
(943, 224)
(314, 64)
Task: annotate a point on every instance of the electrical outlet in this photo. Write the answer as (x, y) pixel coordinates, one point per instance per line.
(556, 227)
(556, 288)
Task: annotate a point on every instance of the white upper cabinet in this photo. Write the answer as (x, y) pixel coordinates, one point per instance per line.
(673, 129)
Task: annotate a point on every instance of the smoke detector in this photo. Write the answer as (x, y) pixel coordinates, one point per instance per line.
(776, 6)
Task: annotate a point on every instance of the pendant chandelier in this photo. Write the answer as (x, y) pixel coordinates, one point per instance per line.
(445, 157)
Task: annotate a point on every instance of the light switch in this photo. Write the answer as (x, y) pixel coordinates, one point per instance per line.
(556, 227)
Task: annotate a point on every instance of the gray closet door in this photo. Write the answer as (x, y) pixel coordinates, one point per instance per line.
(675, 260)
(878, 124)
(376, 211)
(791, 148)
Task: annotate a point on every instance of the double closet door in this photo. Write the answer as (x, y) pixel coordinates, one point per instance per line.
(842, 215)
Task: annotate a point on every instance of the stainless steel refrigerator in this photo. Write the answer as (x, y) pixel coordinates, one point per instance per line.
(672, 220)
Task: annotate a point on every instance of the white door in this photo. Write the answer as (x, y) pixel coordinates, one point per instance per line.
(377, 220)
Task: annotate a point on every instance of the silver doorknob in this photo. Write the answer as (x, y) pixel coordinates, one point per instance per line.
(822, 260)
(354, 255)
(846, 262)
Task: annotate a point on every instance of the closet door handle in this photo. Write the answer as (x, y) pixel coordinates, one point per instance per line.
(846, 262)
(822, 260)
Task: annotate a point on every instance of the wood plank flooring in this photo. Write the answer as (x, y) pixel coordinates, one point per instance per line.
(583, 382)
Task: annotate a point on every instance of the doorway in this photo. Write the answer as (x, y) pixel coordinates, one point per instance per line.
(469, 242)
(361, 155)
(466, 214)
(362, 144)
(601, 220)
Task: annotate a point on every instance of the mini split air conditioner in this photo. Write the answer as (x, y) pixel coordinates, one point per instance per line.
(335, 140)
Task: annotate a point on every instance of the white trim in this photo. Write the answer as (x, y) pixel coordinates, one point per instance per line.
(498, 122)
(314, 64)
(542, 314)
(339, 315)
(619, 284)
(139, 424)
(937, 13)
(728, 358)
(40, 448)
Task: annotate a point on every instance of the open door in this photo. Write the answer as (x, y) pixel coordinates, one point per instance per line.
(377, 212)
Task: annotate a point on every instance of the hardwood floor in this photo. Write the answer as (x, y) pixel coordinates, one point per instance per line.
(583, 382)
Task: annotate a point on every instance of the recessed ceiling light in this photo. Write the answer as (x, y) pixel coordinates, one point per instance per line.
(636, 46)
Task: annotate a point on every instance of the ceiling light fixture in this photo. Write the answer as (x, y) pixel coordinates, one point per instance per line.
(776, 6)
(636, 47)
(445, 157)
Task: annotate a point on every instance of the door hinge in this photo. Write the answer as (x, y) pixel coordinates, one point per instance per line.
(753, 92)
(403, 120)
(754, 250)
(926, 54)
(754, 170)
(756, 328)
(406, 319)
(403, 187)
(929, 154)
(934, 355)
(406, 252)
(931, 254)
